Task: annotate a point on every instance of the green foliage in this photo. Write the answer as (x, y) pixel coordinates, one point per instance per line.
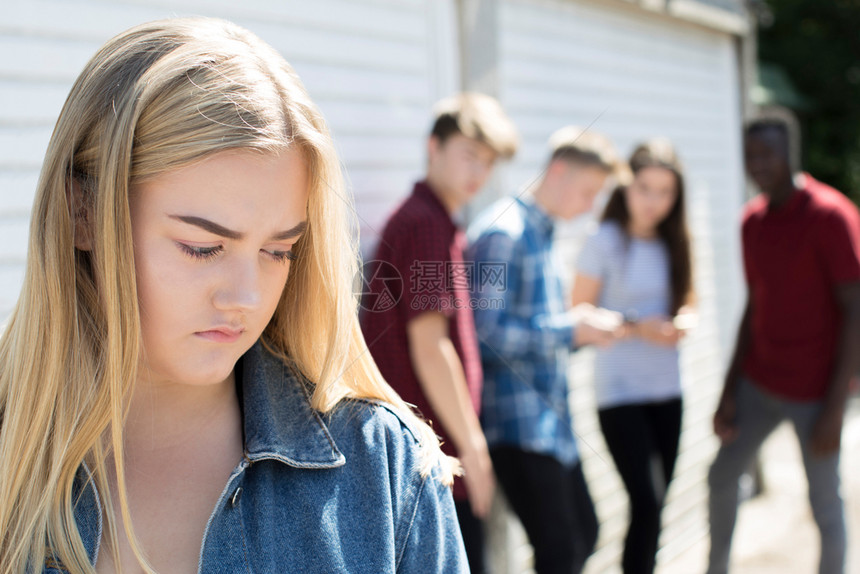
(817, 42)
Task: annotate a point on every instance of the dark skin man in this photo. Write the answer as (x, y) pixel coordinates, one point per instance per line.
(766, 155)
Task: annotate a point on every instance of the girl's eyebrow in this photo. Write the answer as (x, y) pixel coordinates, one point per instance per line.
(222, 231)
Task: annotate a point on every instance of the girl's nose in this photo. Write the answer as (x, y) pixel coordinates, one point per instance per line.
(240, 287)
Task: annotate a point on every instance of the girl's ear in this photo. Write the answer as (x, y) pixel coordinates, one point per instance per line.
(82, 216)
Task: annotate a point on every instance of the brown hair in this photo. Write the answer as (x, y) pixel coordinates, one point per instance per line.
(673, 229)
(476, 116)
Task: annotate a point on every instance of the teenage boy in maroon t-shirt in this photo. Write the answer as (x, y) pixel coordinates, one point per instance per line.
(799, 337)
(419, 324)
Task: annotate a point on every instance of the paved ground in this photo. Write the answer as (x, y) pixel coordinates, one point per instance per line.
(775, 532)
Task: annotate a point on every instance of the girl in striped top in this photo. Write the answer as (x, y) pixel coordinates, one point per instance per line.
(638, 263)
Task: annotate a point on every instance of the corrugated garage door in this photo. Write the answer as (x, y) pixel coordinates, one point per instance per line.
(373, 66)
(635, 75)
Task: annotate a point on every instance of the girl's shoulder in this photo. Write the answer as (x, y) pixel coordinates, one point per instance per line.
(388, 466)
(374, 432)
(607, 237)
(610, 231)
(382, 446)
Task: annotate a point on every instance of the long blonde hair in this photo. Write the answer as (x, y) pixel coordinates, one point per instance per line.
(157, 97)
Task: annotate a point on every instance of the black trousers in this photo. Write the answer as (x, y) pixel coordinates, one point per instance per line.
(643, 440)
(554, 506)
(472, 529)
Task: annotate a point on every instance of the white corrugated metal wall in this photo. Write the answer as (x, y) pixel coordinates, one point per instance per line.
(373, 66)
(633, 75)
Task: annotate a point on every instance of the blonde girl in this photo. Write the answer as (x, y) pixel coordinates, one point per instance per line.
(183, 383)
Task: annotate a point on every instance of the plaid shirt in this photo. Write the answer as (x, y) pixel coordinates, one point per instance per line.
(524, 330)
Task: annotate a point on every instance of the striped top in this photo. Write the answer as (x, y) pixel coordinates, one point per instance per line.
(634, 275)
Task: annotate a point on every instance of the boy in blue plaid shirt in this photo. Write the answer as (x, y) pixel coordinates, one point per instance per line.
(526, 334)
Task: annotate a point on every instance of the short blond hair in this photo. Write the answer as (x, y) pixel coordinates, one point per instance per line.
(584, 147)
(476, 116)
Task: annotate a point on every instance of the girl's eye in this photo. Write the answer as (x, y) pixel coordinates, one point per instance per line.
(282, 256)
(204, 253)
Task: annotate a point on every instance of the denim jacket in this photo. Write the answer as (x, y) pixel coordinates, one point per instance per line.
(315, 493)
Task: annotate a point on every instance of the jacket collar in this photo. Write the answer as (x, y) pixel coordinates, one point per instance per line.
(279, 423)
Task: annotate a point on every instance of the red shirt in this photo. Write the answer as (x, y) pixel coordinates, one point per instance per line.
(423, 249)
(794, 257)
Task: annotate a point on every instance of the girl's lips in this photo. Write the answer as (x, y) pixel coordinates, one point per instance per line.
(221, 335)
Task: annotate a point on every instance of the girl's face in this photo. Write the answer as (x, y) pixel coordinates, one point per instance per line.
(212, 248)
(650, 197)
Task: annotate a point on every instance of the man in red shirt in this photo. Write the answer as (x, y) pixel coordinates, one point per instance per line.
(417, 316)
(797, 348)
